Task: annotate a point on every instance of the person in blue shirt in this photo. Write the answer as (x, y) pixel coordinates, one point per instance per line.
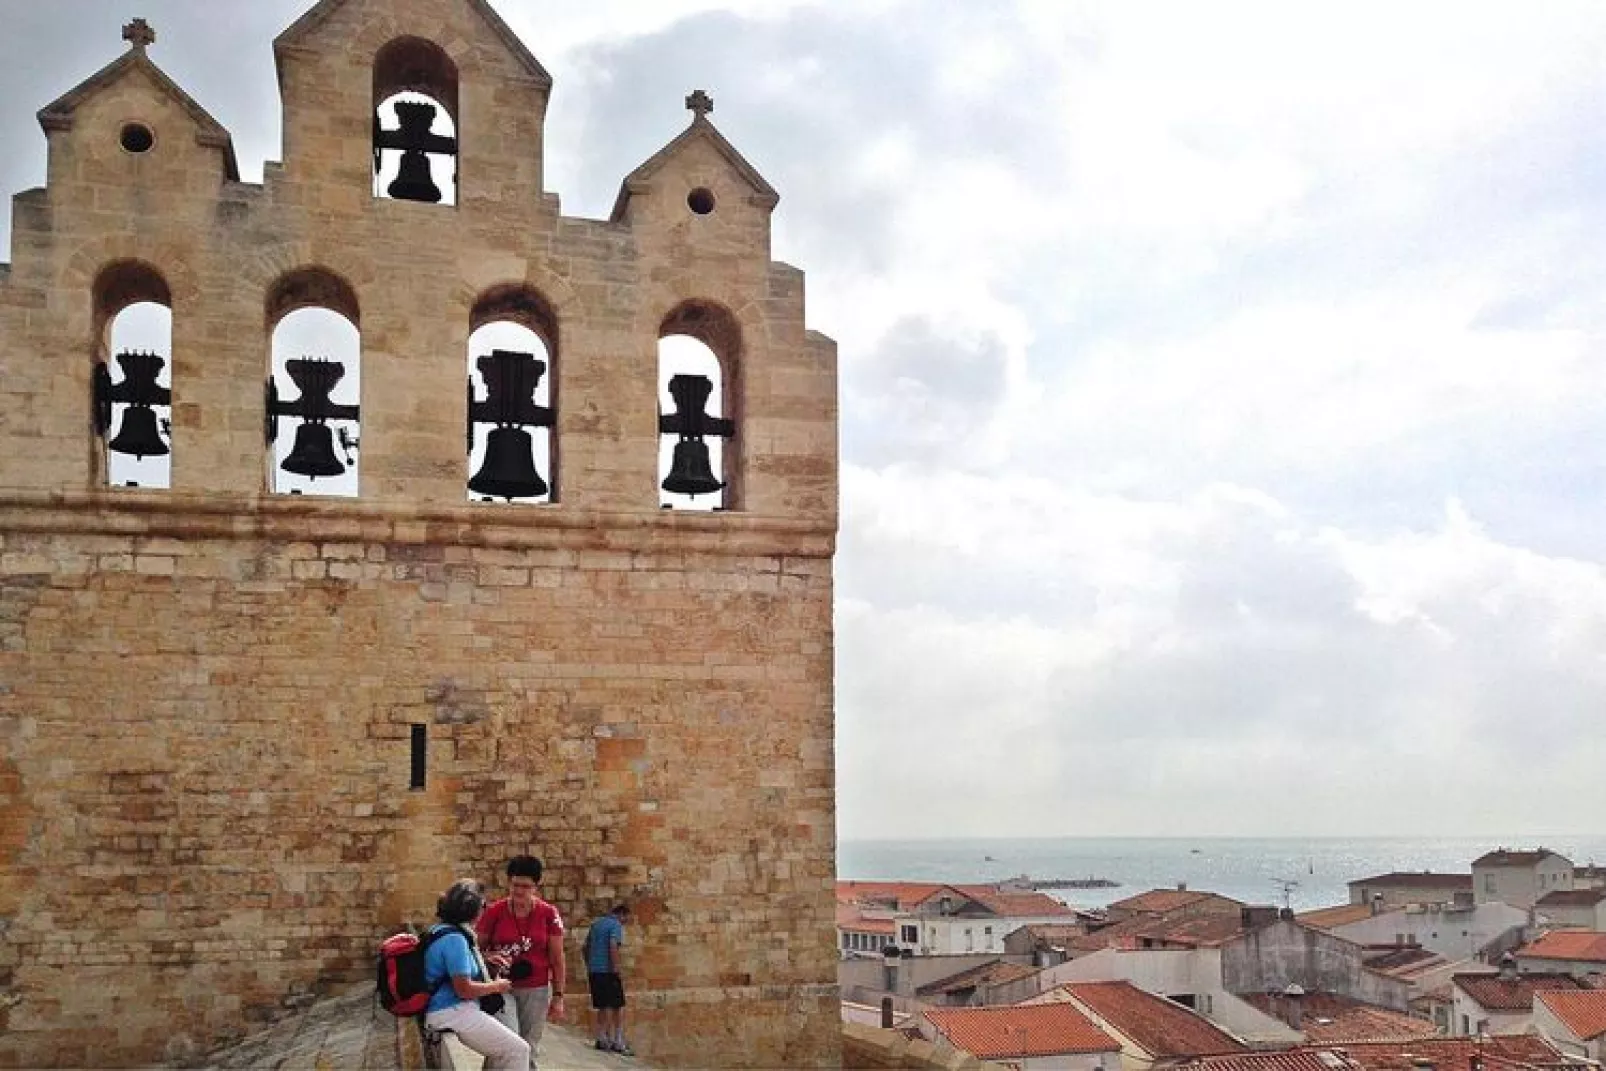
(607, 986)
(457, 978)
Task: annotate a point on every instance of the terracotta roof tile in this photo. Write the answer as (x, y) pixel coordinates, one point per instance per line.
(1419, 879)
(1504, 857)
(995, 973)
(1501, 1053)
(1342, 915)
(902, 894)
(1499, 994)
(1020, 1030)
(1583, 1012)
(1015, 904)
(1567, 944)
(1052, 931)
(850, 917)
(1162, 1028)
(1397, 958)
(1329, 1018)
(1513, 1050)
(1572, 898)
(1285, 1060)
(1162, 901)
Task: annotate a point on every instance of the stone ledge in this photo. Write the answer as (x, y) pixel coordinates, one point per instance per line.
(186, 515)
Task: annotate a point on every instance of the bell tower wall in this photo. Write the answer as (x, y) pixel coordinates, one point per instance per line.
(214, 699)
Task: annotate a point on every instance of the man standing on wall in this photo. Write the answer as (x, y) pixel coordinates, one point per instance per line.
(523, 936)
(607, 985)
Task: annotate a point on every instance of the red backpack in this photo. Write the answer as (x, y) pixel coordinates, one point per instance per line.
(401, 987)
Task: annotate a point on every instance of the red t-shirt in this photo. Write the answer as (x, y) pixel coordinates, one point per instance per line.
(522, 938)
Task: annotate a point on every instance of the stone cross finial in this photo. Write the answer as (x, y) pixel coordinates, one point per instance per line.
(139, 34)
(700, 103)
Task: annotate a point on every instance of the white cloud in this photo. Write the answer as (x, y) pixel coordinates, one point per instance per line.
(1167, 333)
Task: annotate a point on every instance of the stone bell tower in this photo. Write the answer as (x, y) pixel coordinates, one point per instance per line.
(296, 628)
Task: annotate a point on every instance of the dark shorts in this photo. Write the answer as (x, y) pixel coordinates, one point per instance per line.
(607, 991)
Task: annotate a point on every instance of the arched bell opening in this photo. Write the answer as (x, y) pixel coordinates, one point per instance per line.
(415, 110)
(311, 404)
(699, 349)
(511, 433)
(132, 384)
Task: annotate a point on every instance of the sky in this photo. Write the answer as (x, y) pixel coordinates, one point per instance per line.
(1222, 385)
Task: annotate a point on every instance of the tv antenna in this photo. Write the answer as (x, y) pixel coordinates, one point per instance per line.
(1287, 885)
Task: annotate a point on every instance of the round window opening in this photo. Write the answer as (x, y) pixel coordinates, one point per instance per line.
(700, 201)
(136, 137)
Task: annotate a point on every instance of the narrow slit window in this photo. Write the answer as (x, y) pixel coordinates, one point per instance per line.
(420, 758)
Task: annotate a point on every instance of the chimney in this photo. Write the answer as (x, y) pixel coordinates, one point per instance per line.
(1508, 967)
(1294, 994)
(1377, 903)
(1182, 886)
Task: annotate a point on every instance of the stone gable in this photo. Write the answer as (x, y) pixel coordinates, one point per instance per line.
(215, 700)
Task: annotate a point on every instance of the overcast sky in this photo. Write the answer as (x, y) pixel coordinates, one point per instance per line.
(1223, 395)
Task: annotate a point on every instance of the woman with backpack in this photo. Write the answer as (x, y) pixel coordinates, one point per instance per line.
(458, 982)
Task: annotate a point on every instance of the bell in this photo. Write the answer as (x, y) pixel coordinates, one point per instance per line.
(508, 470)
(314, 453)
(689, 470)
(413, 180)
(138, 434)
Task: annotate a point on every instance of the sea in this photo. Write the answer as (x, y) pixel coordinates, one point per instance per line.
(1301, 873)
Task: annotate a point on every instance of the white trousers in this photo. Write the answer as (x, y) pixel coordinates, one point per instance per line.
(502, 1048)
(525, 1014)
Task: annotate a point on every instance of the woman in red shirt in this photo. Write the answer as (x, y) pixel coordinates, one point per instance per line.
(522, 936)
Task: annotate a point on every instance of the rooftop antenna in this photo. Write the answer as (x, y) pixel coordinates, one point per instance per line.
(1287, 885)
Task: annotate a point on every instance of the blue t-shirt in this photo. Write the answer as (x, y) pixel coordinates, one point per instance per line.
(448, 955)
(604, 932)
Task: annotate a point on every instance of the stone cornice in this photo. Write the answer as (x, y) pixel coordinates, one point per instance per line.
(293, 519)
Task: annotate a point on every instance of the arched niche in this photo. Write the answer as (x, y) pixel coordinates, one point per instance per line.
(699, 368)
(415, 122)
(133, 382)
(512, 429)
(314, 384)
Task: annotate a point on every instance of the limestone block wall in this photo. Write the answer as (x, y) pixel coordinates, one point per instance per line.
(206, 720)
(209, 694)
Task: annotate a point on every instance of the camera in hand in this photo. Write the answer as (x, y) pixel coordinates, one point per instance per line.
(521, 970)
(492, 1004)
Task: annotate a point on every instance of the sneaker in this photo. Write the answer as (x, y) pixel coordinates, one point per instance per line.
(624, 1050)
(604, 1046)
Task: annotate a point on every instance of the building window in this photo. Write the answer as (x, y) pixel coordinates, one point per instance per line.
(911, 935)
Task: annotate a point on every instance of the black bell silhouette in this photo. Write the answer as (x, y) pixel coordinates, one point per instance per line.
(138, 434)
(413, 179)
(313, 454)
(689, 470)
(508, 470)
